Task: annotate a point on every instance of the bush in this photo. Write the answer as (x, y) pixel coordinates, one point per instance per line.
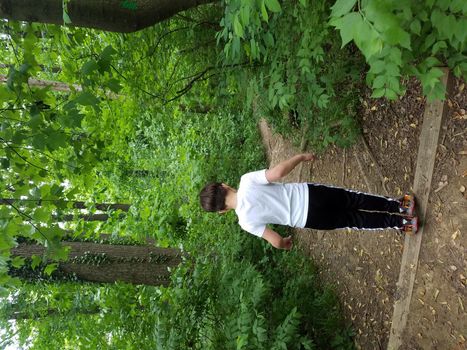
(247, 296)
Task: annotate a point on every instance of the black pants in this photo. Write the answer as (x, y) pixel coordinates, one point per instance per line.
(330, 208)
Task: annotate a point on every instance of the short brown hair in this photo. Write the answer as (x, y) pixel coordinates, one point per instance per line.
(212, 197)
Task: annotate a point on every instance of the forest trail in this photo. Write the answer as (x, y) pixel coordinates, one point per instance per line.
(364, 266)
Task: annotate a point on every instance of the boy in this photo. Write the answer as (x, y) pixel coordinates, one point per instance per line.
(261, 200)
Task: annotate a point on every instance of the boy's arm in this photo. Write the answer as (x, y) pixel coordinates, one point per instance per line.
(276, 240)
(284, 168)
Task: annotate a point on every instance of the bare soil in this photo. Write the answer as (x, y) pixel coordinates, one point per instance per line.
(364, 265)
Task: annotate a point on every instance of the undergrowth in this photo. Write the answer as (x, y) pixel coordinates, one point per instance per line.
(300, 79)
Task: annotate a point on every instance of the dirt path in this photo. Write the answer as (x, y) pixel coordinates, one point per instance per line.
(364, 266)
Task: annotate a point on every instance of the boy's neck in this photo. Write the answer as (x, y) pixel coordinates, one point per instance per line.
(231, 199)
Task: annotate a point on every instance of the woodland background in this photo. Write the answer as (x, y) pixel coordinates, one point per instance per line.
(115, 113)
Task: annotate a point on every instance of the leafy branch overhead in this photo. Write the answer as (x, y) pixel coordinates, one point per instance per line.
(405, 38)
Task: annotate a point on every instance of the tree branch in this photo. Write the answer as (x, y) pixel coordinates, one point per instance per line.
(45, 154)
(19, 155)
(29, 220)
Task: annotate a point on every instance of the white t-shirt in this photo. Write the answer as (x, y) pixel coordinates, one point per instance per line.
(260, 202)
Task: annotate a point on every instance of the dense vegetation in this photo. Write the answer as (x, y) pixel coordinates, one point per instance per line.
(146, 119)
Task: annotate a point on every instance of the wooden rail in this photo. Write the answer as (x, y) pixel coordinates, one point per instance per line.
(429, 136)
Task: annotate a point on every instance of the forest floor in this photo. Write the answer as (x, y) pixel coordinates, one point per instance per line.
(364, 266)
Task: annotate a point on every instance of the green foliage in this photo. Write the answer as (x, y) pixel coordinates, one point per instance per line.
(290, 76)
(405, 38)
(239, 293)
(147, 119)
(248, 296)
(52, 145)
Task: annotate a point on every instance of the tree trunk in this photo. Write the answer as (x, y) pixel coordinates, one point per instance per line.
(85, 217)
(18, 313)
(57, 85)
(44, 68)
(110, 15)
(106, 263)
(103, 238)
(75, 205)
(41, 83)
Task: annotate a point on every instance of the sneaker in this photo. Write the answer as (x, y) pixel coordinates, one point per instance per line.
(407, 205)
(410, 225)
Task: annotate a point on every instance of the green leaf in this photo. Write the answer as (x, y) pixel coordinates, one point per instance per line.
(443, 4)
(367, 39)
(429, 40)
(114, 85)
(17, 262)
(378, 93)
(72, 119)
(35, 261)
(377, 66)
(273, 5)
(245, 15)
(89, 67)
(445, 24)
(238, 28)
(430, 62)
(415, 26)
(6, 240)
(242, 341)
(56, 191)
(58, 252)
(458, 6)
(5, 163)
(392, 69)
(145, 213)
(108, 52)
(56, 140)
(341, 7)
(379, 82)
(105, 59)
(440, 45)
(235, 47)
(66, 18)
(35, 121)
(396, 35)
(253, 51)
(437, 92)
(431, 77)
(23, 69)
(39, 141)
(50, 268)
(41, 214)
(347, 26)
(6, 93)
(19, 136)
(87, 99)
(264, 13)
(391, 94)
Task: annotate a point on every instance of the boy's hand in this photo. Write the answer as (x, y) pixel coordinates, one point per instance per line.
(287, 243)
(308, 156)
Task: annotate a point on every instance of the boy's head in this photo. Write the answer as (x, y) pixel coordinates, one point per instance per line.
(212, 197)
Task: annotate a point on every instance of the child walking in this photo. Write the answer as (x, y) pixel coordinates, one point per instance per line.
(261, 200)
